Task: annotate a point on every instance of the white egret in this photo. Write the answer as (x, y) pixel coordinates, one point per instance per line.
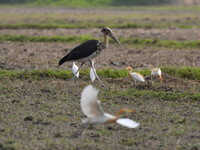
(75, 70)
(156, 72)
(91, 107)
(134, 75)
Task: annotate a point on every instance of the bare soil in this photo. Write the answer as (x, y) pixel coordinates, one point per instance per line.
(38, 114)
(21, 56)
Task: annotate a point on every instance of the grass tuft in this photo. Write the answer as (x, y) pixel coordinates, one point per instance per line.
(24, 38)
(149, 94)
(80, 39)
(185, 73)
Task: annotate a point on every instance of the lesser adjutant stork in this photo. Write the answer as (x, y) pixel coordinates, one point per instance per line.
(89, 50)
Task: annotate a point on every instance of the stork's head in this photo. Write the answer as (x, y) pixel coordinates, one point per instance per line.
(107, 31)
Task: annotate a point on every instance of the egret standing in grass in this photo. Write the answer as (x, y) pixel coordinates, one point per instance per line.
(89, 50)
(91, 107)
(92, 75)
(134, 75)
(156, 72)
(75, 70)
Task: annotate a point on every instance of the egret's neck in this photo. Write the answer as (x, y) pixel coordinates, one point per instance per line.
(116, 116)
(129, 73)
(105, 41)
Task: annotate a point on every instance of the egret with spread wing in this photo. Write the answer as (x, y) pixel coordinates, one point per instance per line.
(91, 107)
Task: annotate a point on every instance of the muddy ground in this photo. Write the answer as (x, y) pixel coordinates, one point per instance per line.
(21, 56)
(39, 114)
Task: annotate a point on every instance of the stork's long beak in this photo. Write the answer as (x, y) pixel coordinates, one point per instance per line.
(112, 35)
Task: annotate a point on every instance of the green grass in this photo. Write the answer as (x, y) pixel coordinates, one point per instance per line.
(24, 38)
(128, 4)
(80, 39)
(185, 72)
(98, 25)
(168, 96)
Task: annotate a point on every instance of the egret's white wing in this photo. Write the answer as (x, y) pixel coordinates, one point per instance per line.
(89, 104)
(127, 123)
(137, 76)
(92, 76)
(109, 116)
(75, 69)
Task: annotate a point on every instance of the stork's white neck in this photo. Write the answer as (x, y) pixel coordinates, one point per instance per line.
(105, 41)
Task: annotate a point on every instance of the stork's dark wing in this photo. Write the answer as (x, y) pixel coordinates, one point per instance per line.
(82, 51)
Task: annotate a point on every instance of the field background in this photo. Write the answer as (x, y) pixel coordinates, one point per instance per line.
(37, 113)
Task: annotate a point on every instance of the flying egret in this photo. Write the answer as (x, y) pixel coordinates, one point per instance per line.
(156, 72)
(91, 107)
(89, 50)
(134, 75)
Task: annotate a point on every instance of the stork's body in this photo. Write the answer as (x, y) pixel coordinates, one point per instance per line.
(84, 52)
(135, 76)
(89, 50)
(91, 107)
(156, 72)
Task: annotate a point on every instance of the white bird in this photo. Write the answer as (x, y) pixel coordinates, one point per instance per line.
(134, 75)
(91, 107)
(75, 69)
(156, 72)
(92, 75)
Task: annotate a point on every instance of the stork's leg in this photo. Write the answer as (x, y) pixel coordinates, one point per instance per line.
(97, 75)
(74, 77)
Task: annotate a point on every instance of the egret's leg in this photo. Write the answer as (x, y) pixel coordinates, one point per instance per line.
(94, 83)
(79, 132)
(135, 83)
(74, 77)
(151, 79)
(97, 75)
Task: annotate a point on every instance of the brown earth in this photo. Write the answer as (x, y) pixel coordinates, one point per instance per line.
(21, 56)
(39, 114)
